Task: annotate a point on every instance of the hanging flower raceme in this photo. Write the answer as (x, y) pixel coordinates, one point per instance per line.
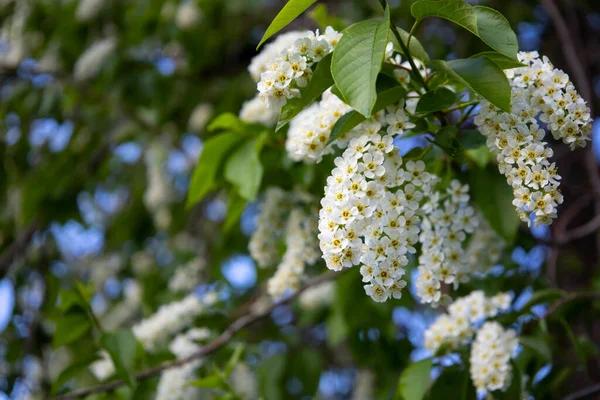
(444, 231)
(370, 212)
(484, 249)
(490, 357)
(298, 234)
(292, 68)
(539, 91)
(458, 326)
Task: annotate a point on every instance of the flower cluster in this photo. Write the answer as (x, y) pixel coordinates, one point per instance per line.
(490, 357)
(291, 69)
(301, 249)
(255, 111)
(159, 193)
(174, 382)
(170, 319)
(484, 249)
(538, 91)
(457, 326)
(269, 227)
(188, 275)
(370, 212)
(309, 131)
(443, 232)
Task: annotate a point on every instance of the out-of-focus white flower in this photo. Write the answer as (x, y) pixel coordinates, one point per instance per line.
(88, 10)
(91, 61)
(188, 15)
(200, 116)
(103, 368)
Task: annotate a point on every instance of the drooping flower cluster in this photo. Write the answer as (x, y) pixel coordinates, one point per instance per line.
(269, 227)
(188, 275)
(309, 131)
(490, 357)
(370, 212)
(298, 234)
(301, 250)
(443, 233)
(170, 319)
(457, 326)
(174, 383)
(291, 69)
(484, 249)
(539, 91)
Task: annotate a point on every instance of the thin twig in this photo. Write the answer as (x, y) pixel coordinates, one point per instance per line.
(17, 248)
(584, 393)
(210, 348)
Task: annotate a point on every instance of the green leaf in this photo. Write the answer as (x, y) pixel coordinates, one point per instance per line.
(445, 138)
(235, 208)
(357, 60)
(351, 119)
(320, 15)
(235, 358)
(494, 198)
(543, 296)
(471, 139)
(436, 100)
(500, 59)
(72, 371)
(288, 13)
(415, 47)
(480, 156)
(484, 22)
(70, 328)
(414, 380)
(212, 156)
(244, 169)
(482, 76)
(538, 345)
(270, 374)
(319, 82)
(455, 381)
(121, 345)
(226, 122)
(214, 381)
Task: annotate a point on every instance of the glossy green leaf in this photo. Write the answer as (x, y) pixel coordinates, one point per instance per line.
(244, 169)
(436, 100)
(484, 22)
(351, 119)
(500, 59)
(70, 328)
(226, 122)
(235, 208)
(357, 60)
(538, 345)
(414, 380)
(494, 198)
(288, 13)
(415, 47)
(121, 345)
(213, 154)
(320, 81)
(482, 76)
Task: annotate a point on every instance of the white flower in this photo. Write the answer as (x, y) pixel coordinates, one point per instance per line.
(91, 61)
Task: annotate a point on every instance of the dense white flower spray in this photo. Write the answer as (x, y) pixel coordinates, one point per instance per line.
(170, 319)
(457, 326)
(291, 69)
(370, 213)
(490, 357)
(539, 91)
(188, 275)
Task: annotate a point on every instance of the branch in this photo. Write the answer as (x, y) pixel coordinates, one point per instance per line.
(210, 348)
(584, 393)
(16, 248)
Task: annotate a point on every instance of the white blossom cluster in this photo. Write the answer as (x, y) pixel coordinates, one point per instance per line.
(104, 367)
(370, 212)
(92, 60)
(301, 249)
(457, 326)
(174, 382)
(187, 276)
(291, 68)
(255, 111)
(270, 225)
(484, 249)
(490, 357)
(309, 131)
(444, 230)
(159, 193)
(318, 296)
(170, 319)
(539, 91)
